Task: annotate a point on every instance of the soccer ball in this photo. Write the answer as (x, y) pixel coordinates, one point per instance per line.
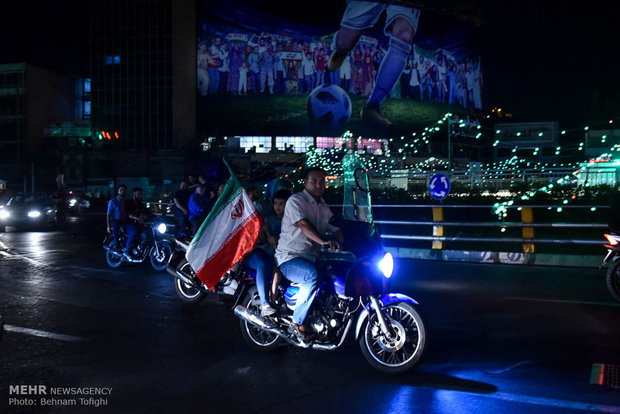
(329, 106)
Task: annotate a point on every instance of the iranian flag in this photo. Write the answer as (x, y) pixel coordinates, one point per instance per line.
(227, 234)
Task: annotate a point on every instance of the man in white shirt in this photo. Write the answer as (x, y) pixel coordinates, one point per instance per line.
(304, 225)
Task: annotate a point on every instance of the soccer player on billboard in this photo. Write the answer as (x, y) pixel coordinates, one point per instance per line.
(400, 25)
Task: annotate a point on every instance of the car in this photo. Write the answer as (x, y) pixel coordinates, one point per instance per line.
(28, 210)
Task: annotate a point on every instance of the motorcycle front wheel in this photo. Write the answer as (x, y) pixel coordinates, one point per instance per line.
(114, 259)
(255, 337)
(613, 280)
(160, 255)
(404, 349)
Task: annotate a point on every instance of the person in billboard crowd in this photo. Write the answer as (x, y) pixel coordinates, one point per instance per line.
(214, 63)
(305, 222)
(116, 214)
(235, 62)
(203, 60)
(267, 69)
(248, 70)
(224, 68)
(137, 215)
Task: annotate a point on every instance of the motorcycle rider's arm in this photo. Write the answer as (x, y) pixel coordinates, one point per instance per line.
(107, 216)
(310, 232)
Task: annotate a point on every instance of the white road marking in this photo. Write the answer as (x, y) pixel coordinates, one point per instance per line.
(42, 334)
(573, 302)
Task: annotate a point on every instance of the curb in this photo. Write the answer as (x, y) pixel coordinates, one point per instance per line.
(512, 258)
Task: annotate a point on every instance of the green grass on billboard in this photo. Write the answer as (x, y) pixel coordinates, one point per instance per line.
(287, 115)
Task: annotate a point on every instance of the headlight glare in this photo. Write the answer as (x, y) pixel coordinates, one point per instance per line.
(4, 214)
(162, 228)
(386, 265)
(34, 213)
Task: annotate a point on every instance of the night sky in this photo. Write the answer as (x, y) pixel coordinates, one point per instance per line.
(541, 60)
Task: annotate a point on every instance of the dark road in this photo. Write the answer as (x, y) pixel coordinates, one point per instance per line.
(507, 339)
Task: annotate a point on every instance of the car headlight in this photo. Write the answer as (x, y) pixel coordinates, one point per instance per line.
(4, 214)
(34, 213)
(386, 265)
(162, 228)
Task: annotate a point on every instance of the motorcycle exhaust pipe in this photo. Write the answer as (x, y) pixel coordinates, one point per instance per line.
(182, 277)
(244, 313)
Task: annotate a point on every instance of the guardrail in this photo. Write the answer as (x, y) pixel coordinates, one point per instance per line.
(527, 226)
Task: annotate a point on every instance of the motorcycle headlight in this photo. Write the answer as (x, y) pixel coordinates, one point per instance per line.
(72, 202)
(386, 265)
(162, 228)
(34, 213)
(4, 214)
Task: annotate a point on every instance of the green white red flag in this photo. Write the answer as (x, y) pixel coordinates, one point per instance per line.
(228, 233)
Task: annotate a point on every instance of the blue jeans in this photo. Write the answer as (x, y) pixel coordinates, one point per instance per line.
(182, 221)
(132, 230)
(115, 226)
(259, 260)
(303, 272)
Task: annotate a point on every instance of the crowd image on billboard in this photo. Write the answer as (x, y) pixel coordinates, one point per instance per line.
(238, 63)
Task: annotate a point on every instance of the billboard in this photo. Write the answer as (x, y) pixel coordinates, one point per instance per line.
(264, 71)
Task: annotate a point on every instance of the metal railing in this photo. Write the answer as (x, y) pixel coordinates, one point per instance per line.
(527, 225)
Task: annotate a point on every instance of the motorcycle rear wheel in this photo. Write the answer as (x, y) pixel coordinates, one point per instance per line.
(613, 280)
(114, 259)
(256, 338)
(160, 256)
(402, 352)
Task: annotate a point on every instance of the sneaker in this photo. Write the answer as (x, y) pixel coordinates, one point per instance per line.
(267, 311)
(370, 114)
(335, 61)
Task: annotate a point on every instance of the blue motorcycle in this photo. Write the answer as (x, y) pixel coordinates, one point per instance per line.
(352, 301)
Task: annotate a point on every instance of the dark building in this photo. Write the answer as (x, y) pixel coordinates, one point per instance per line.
(41, 114)
(143, 71)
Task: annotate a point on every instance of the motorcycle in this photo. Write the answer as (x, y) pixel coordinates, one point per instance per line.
(352, 300)
(189, 288)
(613, 272)
(156, 246)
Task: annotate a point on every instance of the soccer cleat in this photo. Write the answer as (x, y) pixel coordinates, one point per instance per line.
(371, 115)
(335, 61)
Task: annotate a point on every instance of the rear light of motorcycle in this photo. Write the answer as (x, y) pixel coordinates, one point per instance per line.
(613, 239)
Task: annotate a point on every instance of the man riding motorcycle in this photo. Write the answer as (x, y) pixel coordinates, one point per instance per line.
(137, 215)
(305, 222)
